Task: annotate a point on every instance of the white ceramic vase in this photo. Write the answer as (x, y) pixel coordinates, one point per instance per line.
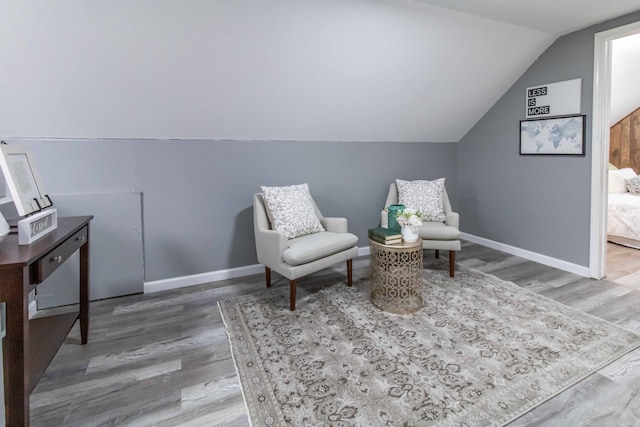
(409, 233)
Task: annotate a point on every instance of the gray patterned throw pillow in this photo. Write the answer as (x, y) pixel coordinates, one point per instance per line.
(425, 196)
(633, 185)
(291, 210)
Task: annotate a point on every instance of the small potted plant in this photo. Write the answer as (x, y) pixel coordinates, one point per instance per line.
(409, 220)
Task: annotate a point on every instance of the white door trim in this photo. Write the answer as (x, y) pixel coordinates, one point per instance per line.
(600, 144)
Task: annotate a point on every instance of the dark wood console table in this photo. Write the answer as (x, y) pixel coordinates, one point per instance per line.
(29, 345)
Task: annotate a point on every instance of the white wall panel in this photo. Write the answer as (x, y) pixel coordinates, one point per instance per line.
(116, 255)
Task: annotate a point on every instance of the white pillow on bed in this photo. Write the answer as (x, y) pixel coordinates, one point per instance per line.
(633, 185)
(617, 180)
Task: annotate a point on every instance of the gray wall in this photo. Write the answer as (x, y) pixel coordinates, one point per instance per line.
(541, 204)
(196, 195)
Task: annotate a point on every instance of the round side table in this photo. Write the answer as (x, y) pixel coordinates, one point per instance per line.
(396, 277)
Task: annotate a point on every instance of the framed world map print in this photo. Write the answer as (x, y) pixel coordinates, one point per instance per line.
(553, 136)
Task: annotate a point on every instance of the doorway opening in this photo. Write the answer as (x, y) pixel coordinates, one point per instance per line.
(603, 50)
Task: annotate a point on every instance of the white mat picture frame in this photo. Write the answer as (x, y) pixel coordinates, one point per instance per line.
(552, 136)
(23, 180)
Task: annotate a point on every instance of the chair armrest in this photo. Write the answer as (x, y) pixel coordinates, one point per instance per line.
(334, 224)
(384, 219)
(269, 246)
(453, 220)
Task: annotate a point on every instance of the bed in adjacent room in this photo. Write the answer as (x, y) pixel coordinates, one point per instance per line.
(623, 222)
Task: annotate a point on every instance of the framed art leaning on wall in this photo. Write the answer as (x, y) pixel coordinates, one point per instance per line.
(23, 180)
(550, 136)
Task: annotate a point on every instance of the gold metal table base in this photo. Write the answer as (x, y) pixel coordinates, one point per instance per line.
(396, 277)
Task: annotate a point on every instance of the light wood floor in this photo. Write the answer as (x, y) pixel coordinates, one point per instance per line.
(623, 265)
(163, 359)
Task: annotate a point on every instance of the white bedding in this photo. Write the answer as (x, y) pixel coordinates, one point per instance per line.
(624, 218)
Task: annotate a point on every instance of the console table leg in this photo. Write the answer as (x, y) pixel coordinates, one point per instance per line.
(15, 349)
(29, 345)
(84, 290)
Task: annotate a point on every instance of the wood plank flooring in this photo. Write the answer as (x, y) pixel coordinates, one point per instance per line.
(623, 265)
(163, 359)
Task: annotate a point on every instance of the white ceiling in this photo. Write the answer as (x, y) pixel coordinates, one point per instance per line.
(313, 70)
(555, 17)
(625, 86)
(344, 70)
(561, 17)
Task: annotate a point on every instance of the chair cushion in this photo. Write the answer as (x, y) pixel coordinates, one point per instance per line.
(438, 231)
(311, 247)
(424, 196)
(291, 210)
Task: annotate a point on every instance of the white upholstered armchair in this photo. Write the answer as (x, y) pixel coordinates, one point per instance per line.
(438, 235)
(299, 256)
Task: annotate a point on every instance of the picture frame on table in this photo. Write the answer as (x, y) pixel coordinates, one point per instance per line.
(553, 136)
(22, 180)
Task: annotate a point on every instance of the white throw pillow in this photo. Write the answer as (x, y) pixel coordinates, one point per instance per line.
(633, 185)
(291, 210)
(616, 180)
(425, 196)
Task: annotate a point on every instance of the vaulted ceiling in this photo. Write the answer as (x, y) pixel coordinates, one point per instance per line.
(301, 70)
(556, 17)
(560, 17)
(625, 85)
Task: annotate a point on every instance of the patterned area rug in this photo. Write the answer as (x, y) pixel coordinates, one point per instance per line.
(481, 352)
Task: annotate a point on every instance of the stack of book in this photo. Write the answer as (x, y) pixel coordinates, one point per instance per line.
(385, 236)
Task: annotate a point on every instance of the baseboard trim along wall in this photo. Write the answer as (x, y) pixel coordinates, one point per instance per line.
(33, 308)
(198, 279)
(232, 273)
(3, 321)
(532, 256)
(212, 276)
(364, 251)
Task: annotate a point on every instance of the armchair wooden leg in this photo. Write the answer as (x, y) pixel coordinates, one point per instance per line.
(452, 263)
(267, 276)
(349, 272)
(437, 253)
(292, 295)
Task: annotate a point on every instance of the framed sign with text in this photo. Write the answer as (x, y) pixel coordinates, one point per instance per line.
(36, 226)
(554, 99)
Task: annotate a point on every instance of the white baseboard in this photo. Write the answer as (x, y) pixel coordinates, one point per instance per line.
(532, 256)
(198, 279)
(3, 322)
(232, 273)
(212, 276)
(33, 308)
